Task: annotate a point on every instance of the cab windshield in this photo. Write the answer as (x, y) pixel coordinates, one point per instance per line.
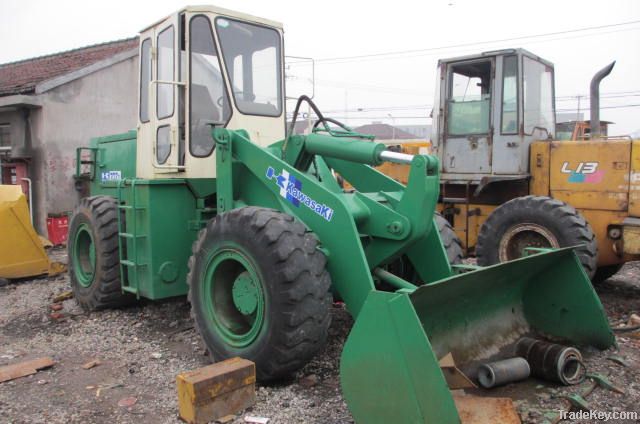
(252, 57)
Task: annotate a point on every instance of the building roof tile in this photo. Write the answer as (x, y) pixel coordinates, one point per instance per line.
(21, 77)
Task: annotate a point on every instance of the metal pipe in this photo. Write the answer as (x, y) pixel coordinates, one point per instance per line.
(395, 157)
(595, 99)
(392, 279)
(28, 180)
(503, 372)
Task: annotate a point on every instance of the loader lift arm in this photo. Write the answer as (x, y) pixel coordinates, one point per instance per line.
(392, 218)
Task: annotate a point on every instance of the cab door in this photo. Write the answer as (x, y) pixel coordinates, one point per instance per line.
(468, 130)
(167, 90)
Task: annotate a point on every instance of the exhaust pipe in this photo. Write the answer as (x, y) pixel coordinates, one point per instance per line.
(595, 99)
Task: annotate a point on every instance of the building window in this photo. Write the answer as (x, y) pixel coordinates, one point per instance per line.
(5, 135)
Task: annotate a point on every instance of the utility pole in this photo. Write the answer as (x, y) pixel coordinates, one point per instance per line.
(393, 127)
(578, 115)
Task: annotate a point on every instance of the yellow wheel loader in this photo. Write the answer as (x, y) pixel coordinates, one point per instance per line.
(508, 182)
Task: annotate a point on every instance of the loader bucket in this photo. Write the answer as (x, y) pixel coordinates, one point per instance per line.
(389, 367)
(21, 249)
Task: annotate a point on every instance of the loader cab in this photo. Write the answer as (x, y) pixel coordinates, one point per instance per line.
(489, 108)
(200, 68)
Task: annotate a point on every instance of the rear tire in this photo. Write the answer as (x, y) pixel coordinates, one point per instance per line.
(535, 221)
(259, 289)
(94, 262)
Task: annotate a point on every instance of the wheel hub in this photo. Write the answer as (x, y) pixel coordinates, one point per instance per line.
(84, 255)
(245, 294)
(234, 300)
(521, 236)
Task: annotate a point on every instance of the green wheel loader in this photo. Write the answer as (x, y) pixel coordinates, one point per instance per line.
(212, 198)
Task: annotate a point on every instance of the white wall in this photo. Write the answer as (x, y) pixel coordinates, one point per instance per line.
(101, 103)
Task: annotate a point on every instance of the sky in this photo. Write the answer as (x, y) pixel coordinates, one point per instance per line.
(371, 81)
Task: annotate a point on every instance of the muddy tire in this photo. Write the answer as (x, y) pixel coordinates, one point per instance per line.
(259, 289)
(535, 221)
(94, 262)
(450, 241)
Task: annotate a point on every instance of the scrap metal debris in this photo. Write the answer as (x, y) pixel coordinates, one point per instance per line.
(63, 296)
(127, 402)
(604, 382)
(455, 378)
(486, 410)
(503, 372)
(618, 360)
(101, 387)
(255, 420)
(552, 361)
(91, 364)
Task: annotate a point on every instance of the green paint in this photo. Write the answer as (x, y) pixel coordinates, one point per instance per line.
(156, 231)
(233, 296)
(84, 255)
(246, 294)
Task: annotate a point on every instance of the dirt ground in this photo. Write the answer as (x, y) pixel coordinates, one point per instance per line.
(143, 348)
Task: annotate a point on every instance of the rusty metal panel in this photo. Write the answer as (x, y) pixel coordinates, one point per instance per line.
(634, 180)
(591, 174)
(486, 410)
(539, 168)
(601, 200)
(609, 251)
(631, 237)
(468, 228)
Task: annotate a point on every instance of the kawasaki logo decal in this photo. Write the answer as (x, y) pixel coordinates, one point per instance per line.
(291, 189)
(111, 176)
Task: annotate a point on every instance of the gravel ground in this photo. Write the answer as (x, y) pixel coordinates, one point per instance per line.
(143, 348)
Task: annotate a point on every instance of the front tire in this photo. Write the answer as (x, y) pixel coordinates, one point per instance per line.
(535, 221)
(259, 289)
(450, 240)
(94, 262)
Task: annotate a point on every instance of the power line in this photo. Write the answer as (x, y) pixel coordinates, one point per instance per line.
(602, 107)
(341, 59)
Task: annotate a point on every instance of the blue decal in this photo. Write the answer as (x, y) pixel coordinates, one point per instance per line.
(111, 176)
(291, 189)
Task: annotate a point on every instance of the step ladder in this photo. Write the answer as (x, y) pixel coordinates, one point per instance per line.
(129, 259)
